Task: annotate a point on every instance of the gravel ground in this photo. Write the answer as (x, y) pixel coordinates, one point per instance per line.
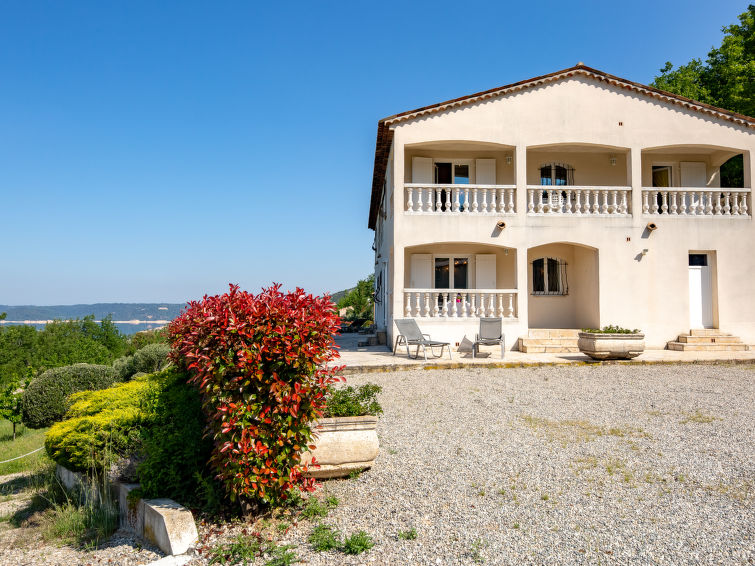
(555, 465)
(552, 465)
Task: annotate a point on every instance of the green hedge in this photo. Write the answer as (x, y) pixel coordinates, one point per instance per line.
(45, 401)
(157, 416)
(149, 359)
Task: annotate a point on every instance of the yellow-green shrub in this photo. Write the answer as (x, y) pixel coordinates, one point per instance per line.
(158, 416)
(102, 426)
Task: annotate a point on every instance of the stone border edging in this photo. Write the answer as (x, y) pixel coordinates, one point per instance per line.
(385, 368)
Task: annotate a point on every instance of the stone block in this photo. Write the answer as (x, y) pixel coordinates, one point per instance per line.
(169, 526)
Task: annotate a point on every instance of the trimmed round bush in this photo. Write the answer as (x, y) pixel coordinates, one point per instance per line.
(151, 358)
(46, 399)
(124, 367)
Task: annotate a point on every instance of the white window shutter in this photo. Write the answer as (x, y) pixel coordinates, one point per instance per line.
(693, 174)
(421, 270)
(485, 271)
(422, 170)
(485, 171)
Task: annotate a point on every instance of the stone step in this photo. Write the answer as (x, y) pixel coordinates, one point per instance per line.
(545, 333)
(718, 339)
(685, 347)
(707, 332)
(547, 345)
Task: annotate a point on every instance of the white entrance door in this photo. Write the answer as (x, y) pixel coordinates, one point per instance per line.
(700, 292)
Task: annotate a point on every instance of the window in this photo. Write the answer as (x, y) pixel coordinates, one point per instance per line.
(443, 272)
(556, 174)
(549, 277)
(451, 173)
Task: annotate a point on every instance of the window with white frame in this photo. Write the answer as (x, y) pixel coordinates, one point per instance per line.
(549, 277)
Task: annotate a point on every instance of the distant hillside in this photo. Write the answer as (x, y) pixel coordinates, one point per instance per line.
(119, 311)
(337, 296)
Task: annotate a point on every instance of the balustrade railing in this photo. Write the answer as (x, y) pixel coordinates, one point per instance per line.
(460, 303)
(449, 199)
(691, 201)
(579, 201)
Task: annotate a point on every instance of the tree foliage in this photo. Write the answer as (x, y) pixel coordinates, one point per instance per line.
(727, 78)
(25, 350)
(360, 298)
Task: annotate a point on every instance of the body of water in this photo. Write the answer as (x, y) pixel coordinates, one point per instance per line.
(124, 327)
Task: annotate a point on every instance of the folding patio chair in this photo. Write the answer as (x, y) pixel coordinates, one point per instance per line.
(411, 335)
(491, 333)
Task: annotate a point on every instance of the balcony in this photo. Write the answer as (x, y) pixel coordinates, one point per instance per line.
(424, 198)
(579, 201)
(691, 201)
(460, 303)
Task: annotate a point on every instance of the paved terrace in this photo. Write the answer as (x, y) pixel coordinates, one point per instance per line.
(359, 359)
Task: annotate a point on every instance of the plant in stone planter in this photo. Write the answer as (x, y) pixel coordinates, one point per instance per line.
(346, 435)
(611, 343)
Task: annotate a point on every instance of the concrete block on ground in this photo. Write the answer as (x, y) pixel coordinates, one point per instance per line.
(169, 525)
(131, 517)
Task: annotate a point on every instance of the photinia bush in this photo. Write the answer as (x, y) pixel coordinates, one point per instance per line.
(261, 363)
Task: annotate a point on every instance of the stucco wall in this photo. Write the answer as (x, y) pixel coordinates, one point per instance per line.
(644, 291)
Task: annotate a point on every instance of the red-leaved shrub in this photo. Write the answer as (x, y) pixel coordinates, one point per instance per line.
(261, 365)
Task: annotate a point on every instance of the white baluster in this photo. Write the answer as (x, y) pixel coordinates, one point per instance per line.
(426, 296)
(436, 304)
(655, 201)
(595, 205)
(466, 199)
(438, 204)
(645, 204)
(727, 205)
(474, 200)
(674, 208)
(409, 200)
(568, 202)
(735, 204)
(457, 203)
(492, 205)
(464, 312)
(447, 199)
(587, 202)
(708, 204)
(578, 203)
(408, 307)
(699, 209)
(624, 204)
(683, 203)
(445, 304)
(539, 208)
(491, 304)
(510, 204)
(604, 208)
(743, 206)
(530, 201)
(473, 306)
(510, 308)
(499, 310)
(664, 207)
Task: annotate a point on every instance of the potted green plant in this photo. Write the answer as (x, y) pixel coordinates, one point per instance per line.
(347, 438)
(611, 343)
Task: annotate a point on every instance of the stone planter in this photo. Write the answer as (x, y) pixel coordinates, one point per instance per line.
(344, 444)
(601, 346)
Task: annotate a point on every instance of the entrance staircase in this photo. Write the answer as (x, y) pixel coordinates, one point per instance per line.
(550, 341)
(707, 340)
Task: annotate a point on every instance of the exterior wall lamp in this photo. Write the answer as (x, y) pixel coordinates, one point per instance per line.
(612, 160)
(508, 160)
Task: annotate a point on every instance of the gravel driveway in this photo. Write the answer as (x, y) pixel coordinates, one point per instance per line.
(556, 465)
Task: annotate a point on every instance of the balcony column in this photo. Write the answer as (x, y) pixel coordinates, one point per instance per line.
(748, 158)
(522, 286)
(634, 172)
(520, 162)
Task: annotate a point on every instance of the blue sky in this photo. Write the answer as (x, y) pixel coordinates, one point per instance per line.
(156, 151)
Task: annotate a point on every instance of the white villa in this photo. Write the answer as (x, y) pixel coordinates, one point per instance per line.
(571, 200)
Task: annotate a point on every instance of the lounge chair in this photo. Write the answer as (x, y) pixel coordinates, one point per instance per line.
(411, 335)
(491, 333)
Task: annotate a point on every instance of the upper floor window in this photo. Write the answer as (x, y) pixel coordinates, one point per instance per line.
(549, 277)
(557, 174)
(451, 173)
